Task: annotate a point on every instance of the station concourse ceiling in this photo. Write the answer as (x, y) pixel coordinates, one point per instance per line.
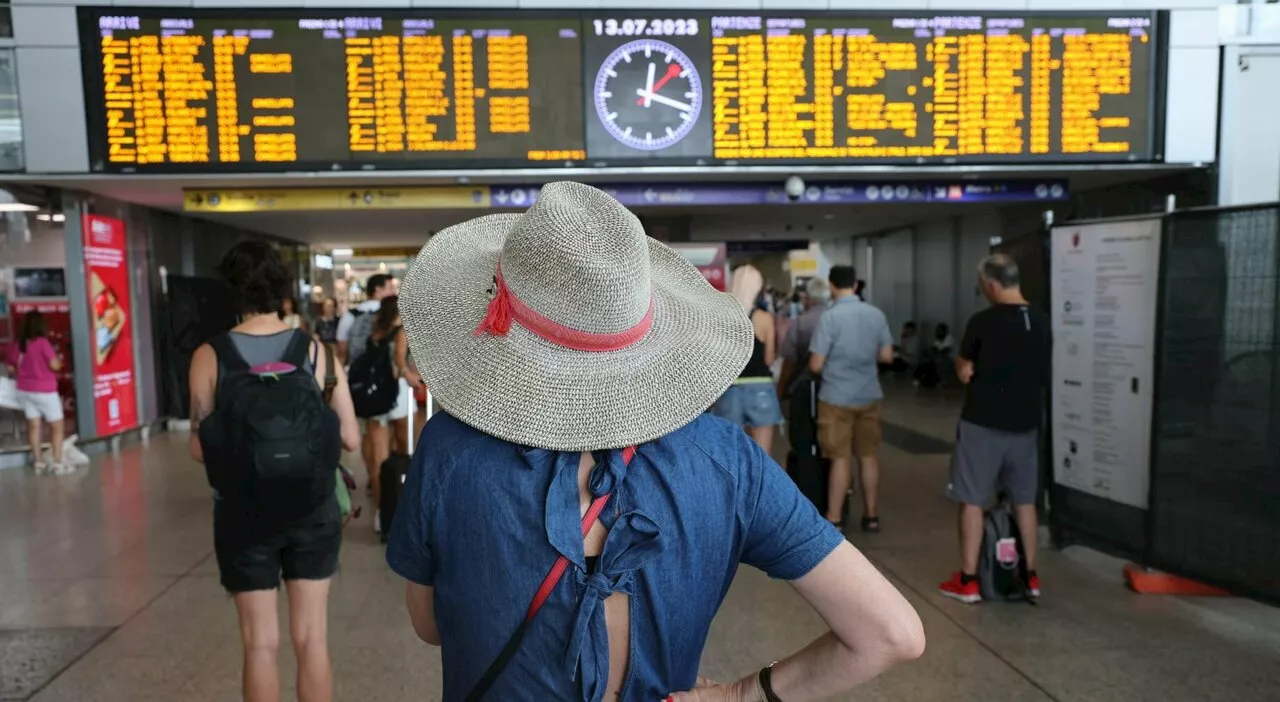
(411, 227)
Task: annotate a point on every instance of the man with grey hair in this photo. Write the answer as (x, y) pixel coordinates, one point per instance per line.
(1004, 363)
(795, 345)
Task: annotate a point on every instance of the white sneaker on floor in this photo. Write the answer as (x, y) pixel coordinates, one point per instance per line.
(61, 469)
(377, 521)
(41, 467)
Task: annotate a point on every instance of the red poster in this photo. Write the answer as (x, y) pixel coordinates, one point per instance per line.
(57, 316)
(107, 271)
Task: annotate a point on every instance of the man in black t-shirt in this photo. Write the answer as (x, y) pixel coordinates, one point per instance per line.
(1004, 362)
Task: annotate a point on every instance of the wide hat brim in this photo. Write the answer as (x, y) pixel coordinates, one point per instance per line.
(529, 391)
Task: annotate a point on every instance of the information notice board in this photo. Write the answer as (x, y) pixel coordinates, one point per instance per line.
(186, 90)
(1105, 292)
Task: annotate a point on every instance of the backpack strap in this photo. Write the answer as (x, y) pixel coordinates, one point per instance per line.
(540, 597)
(298, 352)
(229, 359)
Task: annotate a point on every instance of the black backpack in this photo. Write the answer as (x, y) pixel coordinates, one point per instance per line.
(1002, 563)
(372, 379)
(271, 443)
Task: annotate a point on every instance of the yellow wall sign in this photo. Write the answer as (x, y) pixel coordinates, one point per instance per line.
(326, 199)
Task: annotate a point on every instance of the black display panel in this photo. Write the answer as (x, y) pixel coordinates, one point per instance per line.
(194, 91)
(171, 90)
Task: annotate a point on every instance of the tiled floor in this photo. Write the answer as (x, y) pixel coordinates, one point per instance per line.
(109, 579)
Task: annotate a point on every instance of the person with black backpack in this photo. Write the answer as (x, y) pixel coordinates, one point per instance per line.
(379, 392)
(1004, 361)
(354, 329)
(270, 446)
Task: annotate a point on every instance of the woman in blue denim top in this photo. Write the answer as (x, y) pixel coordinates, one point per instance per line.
(573, 518)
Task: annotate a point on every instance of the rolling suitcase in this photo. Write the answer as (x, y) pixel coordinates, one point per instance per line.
(394, 469)
(805, 462)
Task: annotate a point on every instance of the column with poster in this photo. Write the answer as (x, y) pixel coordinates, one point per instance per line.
(107, 271)
(711, 260)
(1105, 287)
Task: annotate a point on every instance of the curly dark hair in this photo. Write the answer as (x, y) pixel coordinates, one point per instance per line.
(258, 277)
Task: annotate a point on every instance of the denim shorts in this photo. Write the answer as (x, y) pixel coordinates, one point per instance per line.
(750, 405)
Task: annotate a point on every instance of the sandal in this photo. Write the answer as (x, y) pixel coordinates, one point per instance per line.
(871, 525)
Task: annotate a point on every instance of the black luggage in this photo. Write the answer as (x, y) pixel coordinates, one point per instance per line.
(394, 469)
(808, 468)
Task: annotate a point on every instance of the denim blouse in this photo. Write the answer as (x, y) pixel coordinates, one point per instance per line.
(482, 521)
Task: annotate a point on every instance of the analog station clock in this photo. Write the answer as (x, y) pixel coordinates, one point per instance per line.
(648, 94)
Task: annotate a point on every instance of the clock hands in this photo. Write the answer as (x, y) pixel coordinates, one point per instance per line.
(662, 100)
(648, 86)
(650, 94)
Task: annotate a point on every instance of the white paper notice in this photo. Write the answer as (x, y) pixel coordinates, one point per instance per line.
(1105, 290)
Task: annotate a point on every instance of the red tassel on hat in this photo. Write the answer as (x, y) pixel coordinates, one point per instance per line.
(497, 321)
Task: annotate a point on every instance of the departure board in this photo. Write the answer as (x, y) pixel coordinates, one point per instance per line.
(928, 87)
(274, 92)
(173, 90)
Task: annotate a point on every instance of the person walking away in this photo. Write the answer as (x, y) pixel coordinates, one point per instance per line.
(382, 428)
(289, 314)
(270, 447)
(353, 334)
(1004, 362)
(752, 401)
(852, 340)
(410, 380)
(327, 325)
(35, 364)
(795, 346)
(573, 374)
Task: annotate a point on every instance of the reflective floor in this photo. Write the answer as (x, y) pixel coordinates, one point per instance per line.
(109, 593)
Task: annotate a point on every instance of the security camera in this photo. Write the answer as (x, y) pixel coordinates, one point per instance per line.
(794, 187)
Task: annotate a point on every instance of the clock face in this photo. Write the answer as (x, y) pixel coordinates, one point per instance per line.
(648, 94)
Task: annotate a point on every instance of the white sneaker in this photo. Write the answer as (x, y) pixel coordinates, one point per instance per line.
(62, 469)
(377, 521)
(41, 467)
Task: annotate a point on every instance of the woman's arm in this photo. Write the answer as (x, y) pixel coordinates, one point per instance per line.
(407, 371)
(763, 323)
(203, 383)
(340, 399)
(420, 600)
(55, 361)
(873, 628)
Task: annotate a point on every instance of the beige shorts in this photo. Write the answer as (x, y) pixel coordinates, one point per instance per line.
(848, 432)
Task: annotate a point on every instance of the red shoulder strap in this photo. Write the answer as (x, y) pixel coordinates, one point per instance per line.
(562, 564)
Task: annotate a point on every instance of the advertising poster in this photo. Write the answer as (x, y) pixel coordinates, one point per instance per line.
(107, 273)
(1105, 291)
(57, 316)
(711, 260)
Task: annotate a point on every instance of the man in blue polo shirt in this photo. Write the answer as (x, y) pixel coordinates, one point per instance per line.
(852, 340)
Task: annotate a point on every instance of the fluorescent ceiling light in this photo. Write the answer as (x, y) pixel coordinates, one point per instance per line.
(17, 207)
(59, 217)
(44, 217)
(343, 252)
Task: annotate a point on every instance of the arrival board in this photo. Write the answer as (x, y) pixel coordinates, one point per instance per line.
(275, 90)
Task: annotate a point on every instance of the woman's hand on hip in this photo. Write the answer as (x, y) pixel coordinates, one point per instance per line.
(745, 690)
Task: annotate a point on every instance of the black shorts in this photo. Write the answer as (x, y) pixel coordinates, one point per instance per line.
(253, 553)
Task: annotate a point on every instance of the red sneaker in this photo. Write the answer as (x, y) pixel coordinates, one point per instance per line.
(965, 592)
(1033, 586)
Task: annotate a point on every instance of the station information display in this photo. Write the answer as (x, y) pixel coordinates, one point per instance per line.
(275, 90)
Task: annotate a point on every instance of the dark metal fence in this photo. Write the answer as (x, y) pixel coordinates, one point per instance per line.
(1215, 471)
(1214, 505)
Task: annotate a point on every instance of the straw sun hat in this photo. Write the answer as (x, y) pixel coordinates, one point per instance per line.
(567, 328)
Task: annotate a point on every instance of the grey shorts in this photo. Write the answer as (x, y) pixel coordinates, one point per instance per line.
(985, 459)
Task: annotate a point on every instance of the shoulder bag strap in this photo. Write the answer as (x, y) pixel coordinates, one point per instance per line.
(540, 597)
(330, 372)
